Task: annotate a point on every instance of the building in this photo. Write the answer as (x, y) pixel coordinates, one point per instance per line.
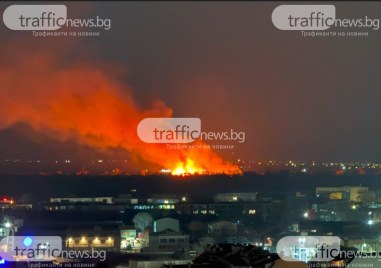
(222, 228)
(86, 235)
(235, 197)
(127, 238)
(168, 241)
(163, 199)
(166, 223)
(366, 245)
(107, 200)
(350, 193)
(90, 241)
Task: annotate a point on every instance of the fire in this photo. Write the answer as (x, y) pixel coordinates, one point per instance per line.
(74, 98)
(187, 168)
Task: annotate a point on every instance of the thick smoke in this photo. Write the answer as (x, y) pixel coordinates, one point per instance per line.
(58, 91)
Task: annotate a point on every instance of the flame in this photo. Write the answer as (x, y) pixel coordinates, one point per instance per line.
(187, 168)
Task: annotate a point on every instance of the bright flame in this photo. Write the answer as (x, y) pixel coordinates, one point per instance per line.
(187, 168)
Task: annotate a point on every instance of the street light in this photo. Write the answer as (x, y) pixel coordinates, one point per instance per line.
(11, 233)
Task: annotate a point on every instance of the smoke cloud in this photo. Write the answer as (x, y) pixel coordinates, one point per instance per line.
(59, 90)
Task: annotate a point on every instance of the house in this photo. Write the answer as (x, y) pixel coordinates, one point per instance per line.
(166, 223)
(168, 241)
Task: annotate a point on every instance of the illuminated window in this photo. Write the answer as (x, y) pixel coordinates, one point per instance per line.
(70, 242)
(96, 241)
(110, 241)
(83, 241)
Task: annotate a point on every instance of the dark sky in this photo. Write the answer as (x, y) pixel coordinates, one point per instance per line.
(296, 98)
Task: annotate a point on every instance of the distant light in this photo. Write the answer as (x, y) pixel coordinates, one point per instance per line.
(354, 207)
(252, 211)
(370, 222)
(305, 215)
(2, 261)
(27, 241)
(8, 224)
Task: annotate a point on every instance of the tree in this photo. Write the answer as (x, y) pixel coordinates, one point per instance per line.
(142, 220)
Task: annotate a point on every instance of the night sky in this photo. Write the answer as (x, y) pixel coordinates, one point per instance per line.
(296, 98)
